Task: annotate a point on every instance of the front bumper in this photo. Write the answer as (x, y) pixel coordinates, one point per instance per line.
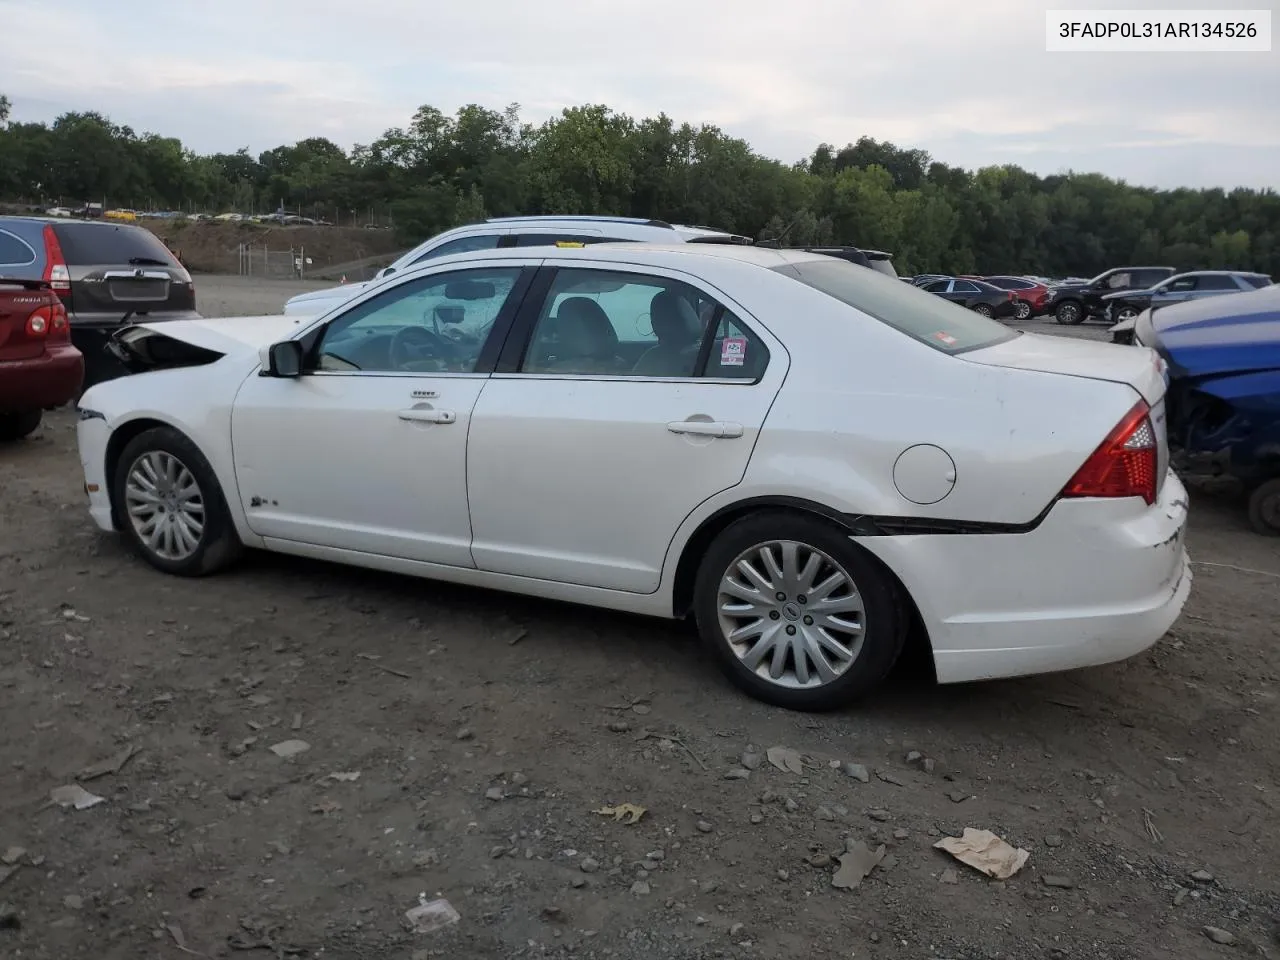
(1097, 581)
(92, 436)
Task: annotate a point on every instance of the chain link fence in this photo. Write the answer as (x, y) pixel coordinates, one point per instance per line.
(259, 260)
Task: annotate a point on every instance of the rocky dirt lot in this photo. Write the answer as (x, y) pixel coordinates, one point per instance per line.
(459, 745)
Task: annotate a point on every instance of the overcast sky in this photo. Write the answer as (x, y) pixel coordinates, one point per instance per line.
(968, 81)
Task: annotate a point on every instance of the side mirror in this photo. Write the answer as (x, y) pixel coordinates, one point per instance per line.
(283, 359)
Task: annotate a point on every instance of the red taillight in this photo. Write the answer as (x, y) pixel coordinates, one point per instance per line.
(55, 264)
(1124, 465)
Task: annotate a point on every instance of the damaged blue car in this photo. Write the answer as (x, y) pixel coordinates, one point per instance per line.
(1223, 402)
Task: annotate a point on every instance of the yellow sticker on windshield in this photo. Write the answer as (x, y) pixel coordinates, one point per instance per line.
(570, 243)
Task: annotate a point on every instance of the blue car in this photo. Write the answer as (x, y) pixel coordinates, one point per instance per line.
(1223, 402)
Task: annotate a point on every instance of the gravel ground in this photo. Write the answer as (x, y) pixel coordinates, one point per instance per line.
(460, 744)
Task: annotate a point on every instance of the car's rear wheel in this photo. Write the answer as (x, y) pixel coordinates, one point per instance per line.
(795, 613)
(1022, 310)
(983, 309)
(171, 506)
(1069, 313)
(15, 426)
(1264, 508)
(1123, 314)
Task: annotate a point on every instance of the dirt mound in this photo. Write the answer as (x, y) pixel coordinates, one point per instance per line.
(219, 247)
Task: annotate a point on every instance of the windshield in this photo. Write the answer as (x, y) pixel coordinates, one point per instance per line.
(922, 316)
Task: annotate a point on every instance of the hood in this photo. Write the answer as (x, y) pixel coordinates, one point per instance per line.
(226, 335)
(1239, 333)
(1138, 367)
(317, 301)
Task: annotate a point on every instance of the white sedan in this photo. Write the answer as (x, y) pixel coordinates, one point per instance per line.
(813, 460)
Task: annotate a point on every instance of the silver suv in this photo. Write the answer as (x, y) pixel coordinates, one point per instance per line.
(519, 232)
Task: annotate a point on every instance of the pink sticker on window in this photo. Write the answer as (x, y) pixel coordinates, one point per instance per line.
(944, 337)
(733, 351)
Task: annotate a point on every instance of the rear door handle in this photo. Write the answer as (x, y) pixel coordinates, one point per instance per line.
(706, 428)
(427, 415)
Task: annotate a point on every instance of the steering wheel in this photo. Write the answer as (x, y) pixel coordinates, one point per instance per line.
(409, 341)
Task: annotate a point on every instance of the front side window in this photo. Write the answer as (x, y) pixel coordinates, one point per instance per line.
(937, 286)
(1118, 281)
(436, 324)
(620, 324)
(483, 241)
(1182, 285)
(935, 321)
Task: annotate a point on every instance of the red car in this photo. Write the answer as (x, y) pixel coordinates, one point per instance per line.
(39, 368)
(1031, 298)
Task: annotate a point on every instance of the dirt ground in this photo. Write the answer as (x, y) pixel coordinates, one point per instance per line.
(461, 742)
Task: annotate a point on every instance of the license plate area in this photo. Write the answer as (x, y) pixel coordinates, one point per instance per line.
(138, 289)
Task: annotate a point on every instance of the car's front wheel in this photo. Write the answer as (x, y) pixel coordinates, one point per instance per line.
(15, 426)
(795, 613)
(169, 501)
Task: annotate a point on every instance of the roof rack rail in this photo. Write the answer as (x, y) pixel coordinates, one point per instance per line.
(582, 218)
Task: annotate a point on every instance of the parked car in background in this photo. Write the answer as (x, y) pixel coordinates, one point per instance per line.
(807, 491)
(39, 367)
(515, 232)
(1223, 404)
(1125, 306)
(1030, 295)
(104, 273)
(975, 295)
(1072, 303)
(920, 279)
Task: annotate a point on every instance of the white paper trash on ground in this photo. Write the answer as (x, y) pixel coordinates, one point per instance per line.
(432, 915)
(985, 852)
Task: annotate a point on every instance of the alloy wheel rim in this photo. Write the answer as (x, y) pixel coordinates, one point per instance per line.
(791, 614)
(165, 504)
(1023, 311)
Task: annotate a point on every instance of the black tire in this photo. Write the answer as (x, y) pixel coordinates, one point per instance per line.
(983, 310)
(883, 616)
(15, 426)
(1070, 313)
(1264, 508)
(1022, 310)
(218, 544)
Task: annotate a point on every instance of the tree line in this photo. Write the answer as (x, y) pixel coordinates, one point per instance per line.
(440, 171)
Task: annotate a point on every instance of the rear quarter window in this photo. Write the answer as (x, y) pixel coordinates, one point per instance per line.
(15, 252)
(94, 244)
(922, 316)
(1257, 281)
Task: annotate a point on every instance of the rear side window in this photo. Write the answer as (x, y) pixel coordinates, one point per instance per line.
(568, 239)
(1216, 281)
(1254, 280)
(14, 252)
(98, 244)
(935, 321)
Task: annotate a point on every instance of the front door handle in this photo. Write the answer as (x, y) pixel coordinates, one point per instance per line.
(428, 415)
(707, 428)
